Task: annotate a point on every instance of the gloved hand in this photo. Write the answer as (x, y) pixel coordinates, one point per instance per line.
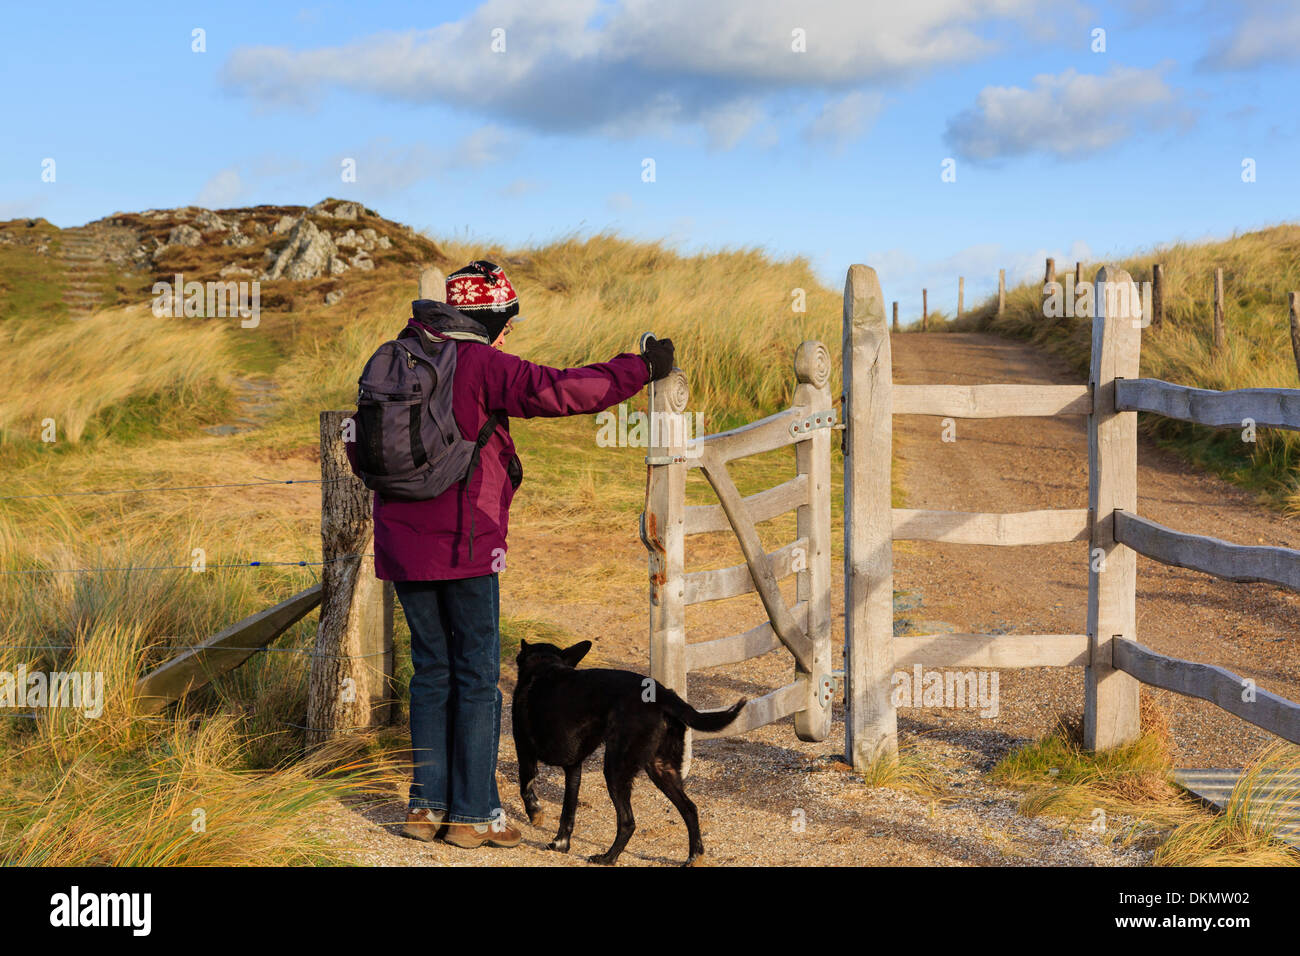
(658, 356)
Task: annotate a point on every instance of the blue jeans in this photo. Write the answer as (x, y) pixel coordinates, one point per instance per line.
(455, 700)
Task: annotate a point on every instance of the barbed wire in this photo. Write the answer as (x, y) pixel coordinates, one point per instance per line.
(190, 566)
(140, 491)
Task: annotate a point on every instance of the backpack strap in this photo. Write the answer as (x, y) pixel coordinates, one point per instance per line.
(484, 435)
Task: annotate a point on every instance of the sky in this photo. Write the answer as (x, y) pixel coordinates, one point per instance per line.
(929, 139)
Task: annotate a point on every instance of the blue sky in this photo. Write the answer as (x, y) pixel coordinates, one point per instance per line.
(834, 152)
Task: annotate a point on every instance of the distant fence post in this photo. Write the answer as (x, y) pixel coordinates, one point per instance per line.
(1002, 291)
(896, 328)
(1157, 295)
(1110, 713)
(871, 724)
(1293, 301)
(925, 310)
(1049, 276)
(663, 531)
(1219, 337)
(961, 294)
(351, 683)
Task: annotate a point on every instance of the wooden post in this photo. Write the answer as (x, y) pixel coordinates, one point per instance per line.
(663, 531)
(871, 724)
(1157, 295)
(1002, 291)
(961, 294)
(432, 284)
(351, 684)
(812, 367)
(1110, 712)
(1078, 274)
(1293, 301)
(1219, 337)
(896, 327)
(925, 310)
(1049, 276)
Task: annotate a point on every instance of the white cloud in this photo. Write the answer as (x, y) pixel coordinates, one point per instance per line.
(1066, 115)
(384, 168)
(521, 187)
(631, 65)
(222, 190)
(845, 119)
(1268, 33)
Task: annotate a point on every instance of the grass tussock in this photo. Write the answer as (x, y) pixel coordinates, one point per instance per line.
(1128, 795)
(1245, 832)
(907, 769)
(1259, 270)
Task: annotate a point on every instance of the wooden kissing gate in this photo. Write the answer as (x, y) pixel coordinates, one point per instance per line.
(1114, 663)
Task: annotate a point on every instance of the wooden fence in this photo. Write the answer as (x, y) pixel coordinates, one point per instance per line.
(1114, 662)
(804, 628)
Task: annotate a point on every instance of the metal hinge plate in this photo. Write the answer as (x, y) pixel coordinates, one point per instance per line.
(801, 426)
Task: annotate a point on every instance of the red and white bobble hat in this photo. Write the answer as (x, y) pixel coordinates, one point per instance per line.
(482, 291)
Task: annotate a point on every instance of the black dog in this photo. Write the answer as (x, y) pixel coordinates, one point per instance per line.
(561, 715)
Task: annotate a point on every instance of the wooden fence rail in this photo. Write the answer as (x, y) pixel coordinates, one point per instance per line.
(1234, 694)
(1230, 562)
(1266, 407)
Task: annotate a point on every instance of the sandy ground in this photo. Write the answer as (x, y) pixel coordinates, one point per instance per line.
(769, 799)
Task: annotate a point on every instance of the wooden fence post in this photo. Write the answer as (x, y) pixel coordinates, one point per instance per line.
(1110, 713)
(1049, 276)
(812, 367)
(925, 310)
(432, 284)
(896, 328)
(1293, 301)
(871, 724)
(1002, 291)
(1157, 295)
(351, 684)
(961, 294)
(1219, 337)
(663, 531)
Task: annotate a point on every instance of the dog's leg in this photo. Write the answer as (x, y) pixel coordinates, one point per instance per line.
(668, 779)
(572, 781)
(618, 778)
(528, 783)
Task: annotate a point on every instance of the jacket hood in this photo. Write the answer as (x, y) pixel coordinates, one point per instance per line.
(441, 317)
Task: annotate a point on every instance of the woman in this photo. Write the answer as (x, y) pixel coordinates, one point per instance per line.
(443, 554)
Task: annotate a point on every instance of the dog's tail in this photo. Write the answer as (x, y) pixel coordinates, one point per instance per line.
(713, 720)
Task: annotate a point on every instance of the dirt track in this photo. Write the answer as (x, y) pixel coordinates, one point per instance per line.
(752, 790)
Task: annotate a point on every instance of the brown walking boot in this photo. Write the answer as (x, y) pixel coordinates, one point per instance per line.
(468, 836)
(424, 824)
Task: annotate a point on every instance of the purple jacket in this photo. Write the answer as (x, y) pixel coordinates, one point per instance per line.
(430, 540)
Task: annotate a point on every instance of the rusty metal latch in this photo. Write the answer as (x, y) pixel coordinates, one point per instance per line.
(801, 426)
(665, 459)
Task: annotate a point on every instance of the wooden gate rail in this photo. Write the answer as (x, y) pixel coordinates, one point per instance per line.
(992, 401)
(975, 527)
(803, 628)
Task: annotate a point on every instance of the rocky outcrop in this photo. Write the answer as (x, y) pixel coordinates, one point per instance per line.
(184, 235)
(307, 255)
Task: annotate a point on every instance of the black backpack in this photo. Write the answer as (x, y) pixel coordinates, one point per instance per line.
(409, 446)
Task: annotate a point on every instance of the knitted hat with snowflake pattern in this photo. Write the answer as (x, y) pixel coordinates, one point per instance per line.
(482, 291)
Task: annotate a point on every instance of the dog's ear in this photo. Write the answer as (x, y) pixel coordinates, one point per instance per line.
(523, 645)
(575, 653)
